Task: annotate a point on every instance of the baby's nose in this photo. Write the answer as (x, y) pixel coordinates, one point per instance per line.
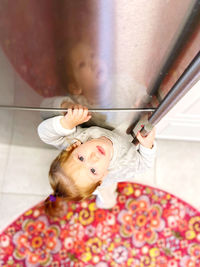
(94, 157)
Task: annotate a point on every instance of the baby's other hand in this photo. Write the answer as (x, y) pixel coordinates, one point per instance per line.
(147, 141)
(76, 114)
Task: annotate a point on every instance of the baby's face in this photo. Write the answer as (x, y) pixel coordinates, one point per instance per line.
(90, 72)
(92, 159)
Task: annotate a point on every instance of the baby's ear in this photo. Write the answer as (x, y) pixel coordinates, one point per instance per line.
(76, 144)
(73, 146)
(74, 89)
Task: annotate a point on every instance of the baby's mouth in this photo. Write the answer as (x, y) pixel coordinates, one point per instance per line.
(101, 150)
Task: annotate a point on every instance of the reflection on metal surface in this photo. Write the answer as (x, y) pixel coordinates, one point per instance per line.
(102, 54)
(88, 52)
(185, 47)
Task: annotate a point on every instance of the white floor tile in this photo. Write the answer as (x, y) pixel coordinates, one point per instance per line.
(178, 169)
(13, 205)
(27, 170)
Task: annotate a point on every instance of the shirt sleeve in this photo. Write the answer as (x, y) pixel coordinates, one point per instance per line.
(133, 163)
(147, 156)
(51, 132)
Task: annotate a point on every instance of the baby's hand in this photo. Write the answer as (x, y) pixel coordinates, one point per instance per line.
(147, 141)
(65, 104)
(76, 114)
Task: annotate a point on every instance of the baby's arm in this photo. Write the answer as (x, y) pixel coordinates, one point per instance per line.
(144, 158)
(137, 161)
(53, 131)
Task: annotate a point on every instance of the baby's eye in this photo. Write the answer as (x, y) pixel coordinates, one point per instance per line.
(81, 158)
(93, 170)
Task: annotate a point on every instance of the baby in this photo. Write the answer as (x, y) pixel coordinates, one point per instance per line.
(93, 160)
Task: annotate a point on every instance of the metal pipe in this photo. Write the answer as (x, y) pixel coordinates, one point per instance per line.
(180, 88)
(7, 107)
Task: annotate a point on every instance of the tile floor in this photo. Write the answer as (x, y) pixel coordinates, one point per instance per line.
(176, 170)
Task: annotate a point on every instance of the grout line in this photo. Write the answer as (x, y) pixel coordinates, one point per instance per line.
(22, 194)
(6, 165)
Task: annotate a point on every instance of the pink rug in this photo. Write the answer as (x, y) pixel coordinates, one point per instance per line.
(147, 227)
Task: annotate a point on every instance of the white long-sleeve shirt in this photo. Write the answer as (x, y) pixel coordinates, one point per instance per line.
(126, 162)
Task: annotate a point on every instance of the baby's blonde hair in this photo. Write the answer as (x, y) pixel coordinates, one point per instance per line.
(64, 186)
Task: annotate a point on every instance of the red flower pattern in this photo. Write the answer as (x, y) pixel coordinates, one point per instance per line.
(138, 231)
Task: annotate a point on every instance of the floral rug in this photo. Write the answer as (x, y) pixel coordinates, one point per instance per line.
(147, 227)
